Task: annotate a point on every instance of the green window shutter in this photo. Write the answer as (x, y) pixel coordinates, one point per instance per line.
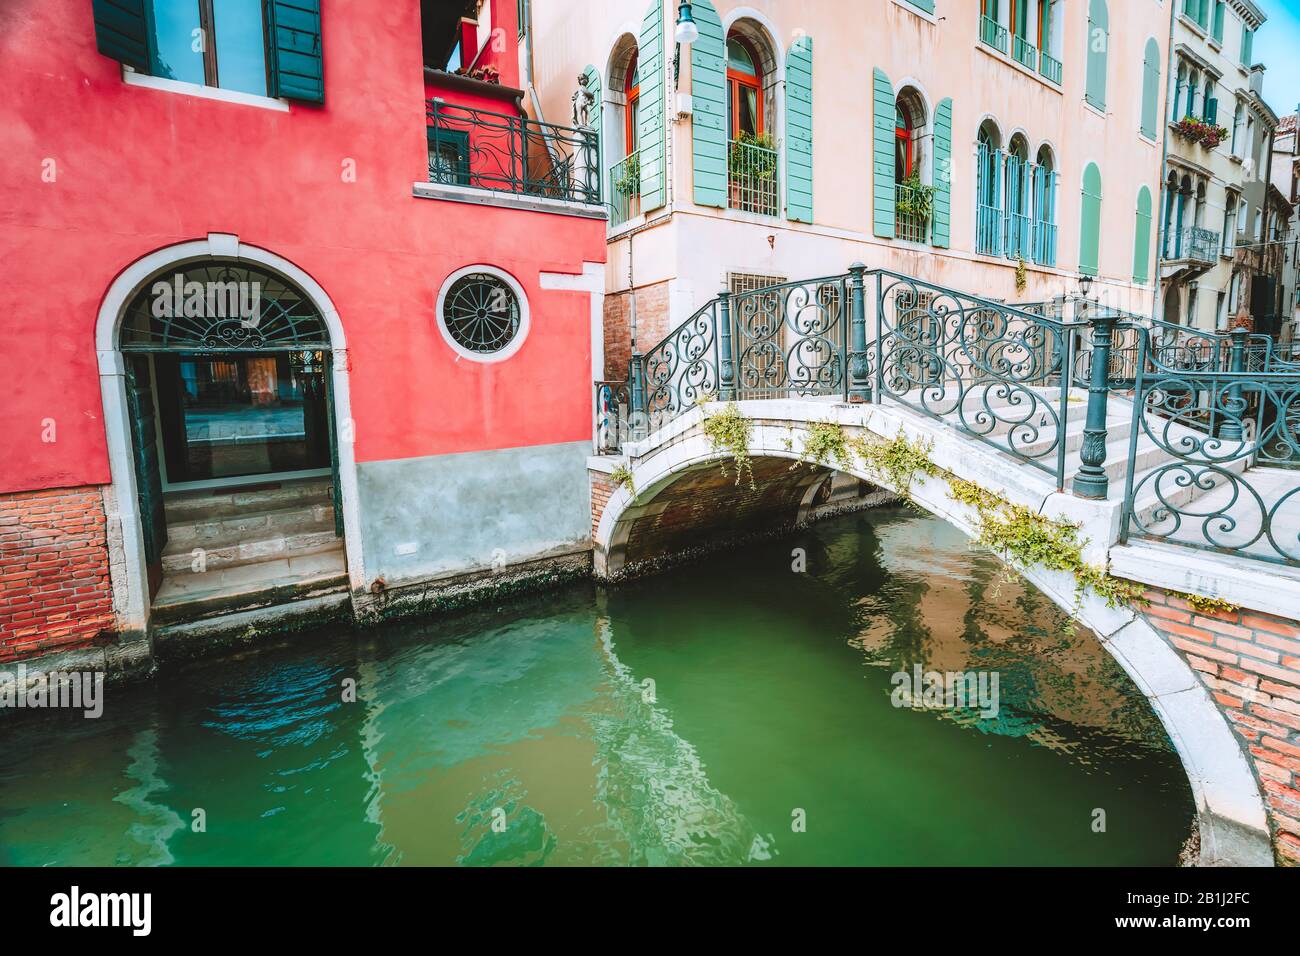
(1247, 46)
(926, 5)
(122, 32)
(650, 109)
(297, 66)
(1142, 238)
(1150, 89)
(1090, 221)
(1218, 20)
(1098, 44)
(942, 215)
(883, 156)
(709, 108)
(799, 130)
(593, 84)
(1212, 111)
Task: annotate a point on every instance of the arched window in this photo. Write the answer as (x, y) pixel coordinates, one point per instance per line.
(1171, 199)
(1098, 47)
(988, 161)
(1090, 221)
(1142, 238)
(1150, 89)
(632, 91)
(1018, 178)
(1044, 199)
(621, 136)
(753, 182)
(913, 202)
(744, 90)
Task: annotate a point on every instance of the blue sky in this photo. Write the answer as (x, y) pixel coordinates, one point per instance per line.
(1277, 46)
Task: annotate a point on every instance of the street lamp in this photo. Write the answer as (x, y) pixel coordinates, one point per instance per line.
(1085, 283)
(687, 32)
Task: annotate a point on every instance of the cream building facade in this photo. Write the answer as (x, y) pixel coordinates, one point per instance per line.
(1219, 131)
(997, 147)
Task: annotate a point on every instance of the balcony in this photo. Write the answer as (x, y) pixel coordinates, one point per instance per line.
(1050, 68)
(988, 230)
(511, 154)
(994, 34)
(1025, 52)
(1196, 246)
(912, 209)
(752, 178)
(1044, 243)
(625, 189)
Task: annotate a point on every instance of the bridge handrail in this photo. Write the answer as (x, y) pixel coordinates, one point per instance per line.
(1213, 429)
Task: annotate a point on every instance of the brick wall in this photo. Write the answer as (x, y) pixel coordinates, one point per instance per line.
(1251, 664)
(601, 488)
(54, 584)
(651, 326)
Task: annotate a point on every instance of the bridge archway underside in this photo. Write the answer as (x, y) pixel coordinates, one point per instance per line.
(678, 500)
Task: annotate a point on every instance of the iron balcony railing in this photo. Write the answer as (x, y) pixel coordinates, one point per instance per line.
(625, 189)
(1024, 52)
(1050, 68)
(911, 220)
(1195, 244)
(994, 34)
(1044, 243)
(512, 154)
(988, 230)
(752, 178)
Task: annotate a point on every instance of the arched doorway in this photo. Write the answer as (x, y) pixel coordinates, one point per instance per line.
(223, 374)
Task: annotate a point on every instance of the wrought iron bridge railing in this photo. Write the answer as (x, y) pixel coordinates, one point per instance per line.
(511, 153)
(753, 178)
(1214, 418)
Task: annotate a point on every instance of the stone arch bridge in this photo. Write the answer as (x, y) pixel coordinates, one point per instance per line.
(1174, 454)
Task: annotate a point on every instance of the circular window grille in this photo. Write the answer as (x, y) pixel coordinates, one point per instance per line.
(481, 313)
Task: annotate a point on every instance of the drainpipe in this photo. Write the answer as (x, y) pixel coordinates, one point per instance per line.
(1170, 74)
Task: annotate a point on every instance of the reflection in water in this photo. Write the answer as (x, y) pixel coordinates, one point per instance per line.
(684, 719)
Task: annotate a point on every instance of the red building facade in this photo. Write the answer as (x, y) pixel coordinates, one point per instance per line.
(421, 351)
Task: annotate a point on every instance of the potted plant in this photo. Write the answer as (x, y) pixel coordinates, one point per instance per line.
(629, 183)
(915, 199)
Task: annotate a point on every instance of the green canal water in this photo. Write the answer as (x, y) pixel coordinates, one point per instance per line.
(730, 712)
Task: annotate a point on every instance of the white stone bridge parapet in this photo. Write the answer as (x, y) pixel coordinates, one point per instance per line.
(1244, 804)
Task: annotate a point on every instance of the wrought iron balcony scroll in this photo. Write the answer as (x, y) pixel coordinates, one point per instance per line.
(512, 154)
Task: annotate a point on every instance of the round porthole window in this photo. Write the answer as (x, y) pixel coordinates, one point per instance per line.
(482, 313)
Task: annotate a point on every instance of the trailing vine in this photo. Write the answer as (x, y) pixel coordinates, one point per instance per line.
(897, 461)
(1030, 539)
(1022, 278)
(622, 475)
(728, 430)
(826, 443)
(1210, 605)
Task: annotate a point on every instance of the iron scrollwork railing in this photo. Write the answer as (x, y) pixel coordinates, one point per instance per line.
(992, 371)
(514, 154)
(1227, 447)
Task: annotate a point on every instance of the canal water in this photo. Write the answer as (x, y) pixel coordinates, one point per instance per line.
(736, 711)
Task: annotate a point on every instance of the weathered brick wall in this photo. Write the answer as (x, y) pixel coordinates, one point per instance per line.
(602, 486)
(54, 580)
(1251, 664)
(651, 326)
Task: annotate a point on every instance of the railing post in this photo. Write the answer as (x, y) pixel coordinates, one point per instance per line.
(636, 377)
(859, 380)
(1231, 426)
(726, 362)
(1091, 481)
